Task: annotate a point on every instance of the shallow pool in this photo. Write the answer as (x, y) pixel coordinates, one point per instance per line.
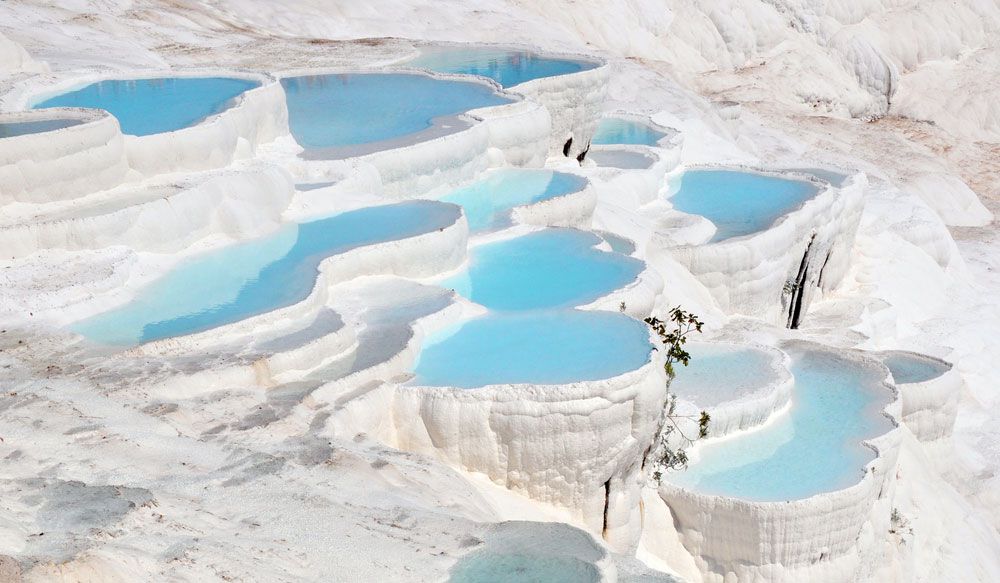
(616, 130)
(722, 372)
(486, 567)
(345, 114)
(508, 67)
(622, 159)
(815, 447)
(488, 202)
(739, 203)
(553, 268)
(152, 106)
(541, 347)
(250, 278)
(913, 368)
(21, 128)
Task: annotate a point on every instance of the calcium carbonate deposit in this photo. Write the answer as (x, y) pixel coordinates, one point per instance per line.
(683, 291)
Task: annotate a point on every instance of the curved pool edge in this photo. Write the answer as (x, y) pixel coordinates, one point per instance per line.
(930, 407)
(257, 116)
(731, 537)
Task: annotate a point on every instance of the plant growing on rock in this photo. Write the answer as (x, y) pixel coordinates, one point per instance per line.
(673, 333)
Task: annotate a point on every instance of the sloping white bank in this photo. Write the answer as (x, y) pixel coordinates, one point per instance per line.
(832, 536)
(575, 102)
(160, 217)
(258, 116)
(64, 163)
(774, 274)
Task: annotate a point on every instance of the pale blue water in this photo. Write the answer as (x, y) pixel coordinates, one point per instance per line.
(542, 347)
(739, 203)
(814, 448)
(486, 567)
(21, 128)
(554, 268)
(721, 372)
(152, 106)
(488, 202)
(910, 368)
(245, 279)
(506, 67)
(616, 130)
(343, 110)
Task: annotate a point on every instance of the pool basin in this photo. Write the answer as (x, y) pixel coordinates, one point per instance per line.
(552, 268)
(151, 106)
(740, 202)
(622, 131)
(508, 67)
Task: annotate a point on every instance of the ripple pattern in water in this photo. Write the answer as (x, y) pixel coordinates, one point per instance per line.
(739, 203)
(250, 278)
(152, 106)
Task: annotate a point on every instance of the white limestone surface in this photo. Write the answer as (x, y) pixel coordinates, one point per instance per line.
(747, 275)
(160, 216)
(62, 164)
(929, 407)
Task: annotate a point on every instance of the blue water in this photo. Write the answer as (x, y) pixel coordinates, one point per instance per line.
(21, 128)
(722, 372)
(342, 110)
(814, 448)
(739, 203)
(554, 268)
(242, 280)
(616, 130)
(910, 368)
(547, 347)
(152, 106)
(488, 202)
(506, 67)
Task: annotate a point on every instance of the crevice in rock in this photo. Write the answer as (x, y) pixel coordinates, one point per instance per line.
(607, 501)
(799, 288)
(567, 146)
(822, 270)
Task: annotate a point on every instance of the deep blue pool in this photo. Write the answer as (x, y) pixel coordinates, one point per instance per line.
(553, 268)
(616, 130)
(739, 203)
(488, 202)
(544, 347)
(340, 111)
(506, 67)
(816, 447)
(152, 106)
(249, 278)
(22, 128)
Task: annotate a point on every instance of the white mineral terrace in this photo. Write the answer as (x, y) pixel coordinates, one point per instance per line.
(332, 291)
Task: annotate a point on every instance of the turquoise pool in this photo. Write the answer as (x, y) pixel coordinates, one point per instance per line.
(488, 202)
(250, 278)
(508, 67)
(553, 268)
(22, 128)
(547, 347)
(739, 203)
(722, 372)
(912, 368)
(616, 130)
(345, 114)
(816, 447)
(153, 106)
